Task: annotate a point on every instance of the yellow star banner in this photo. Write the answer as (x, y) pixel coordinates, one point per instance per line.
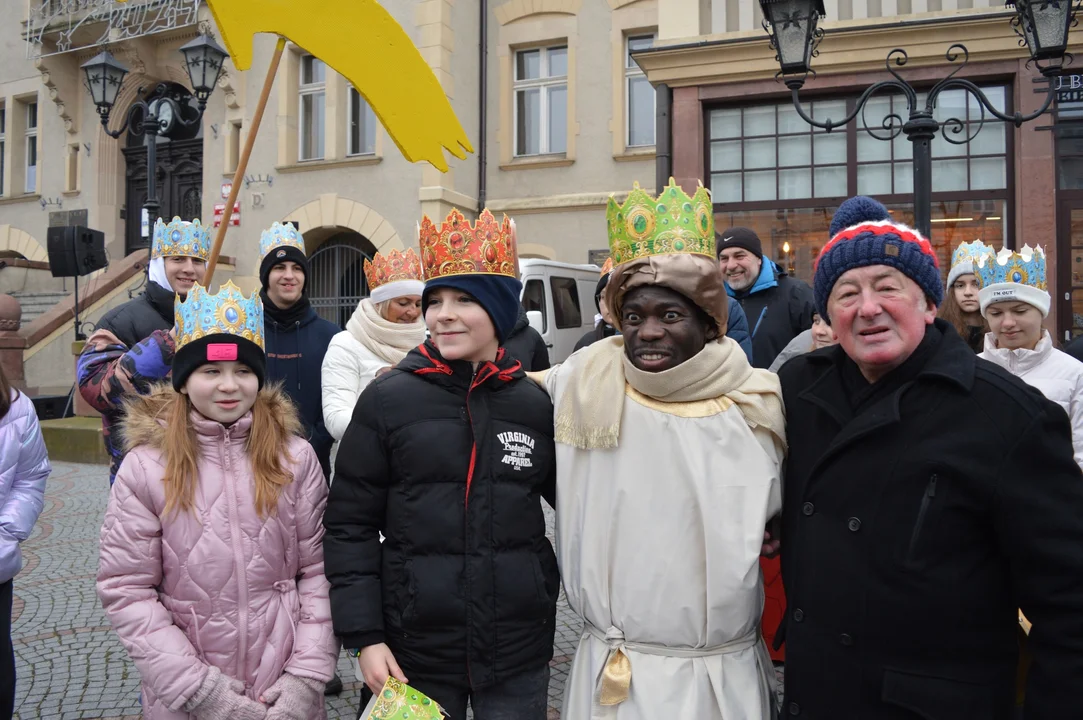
(398, 701)
(361, 41)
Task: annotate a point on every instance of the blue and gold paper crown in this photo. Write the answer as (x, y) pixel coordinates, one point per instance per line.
(971, 252)
(279, 235)
(671, 223)
(966, 258)
(1026, 267)
(227, 312)
(181, 239)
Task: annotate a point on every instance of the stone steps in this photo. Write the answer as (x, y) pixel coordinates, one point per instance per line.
(75, 439)
(35, 304)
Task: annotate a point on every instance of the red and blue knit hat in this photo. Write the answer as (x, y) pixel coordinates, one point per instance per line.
(863, 234)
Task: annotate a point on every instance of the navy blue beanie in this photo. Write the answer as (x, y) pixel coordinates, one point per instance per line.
(863, 234)
(498, 294)
(279, 255)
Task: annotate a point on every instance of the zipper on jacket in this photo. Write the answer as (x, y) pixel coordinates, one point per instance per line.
(477, 380)
(238, 558)
(297, 359)
(466, 525)
(926, 500)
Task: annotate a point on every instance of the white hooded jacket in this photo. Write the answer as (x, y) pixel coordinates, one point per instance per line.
(1057, 375)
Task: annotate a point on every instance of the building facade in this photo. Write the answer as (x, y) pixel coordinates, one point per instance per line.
(734, 127)
(558, 115)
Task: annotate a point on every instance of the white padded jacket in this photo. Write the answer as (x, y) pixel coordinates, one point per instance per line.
(1058, 375)
(348, 368)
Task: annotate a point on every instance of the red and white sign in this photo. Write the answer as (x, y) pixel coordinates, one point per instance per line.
(227, 188)
(220, 211)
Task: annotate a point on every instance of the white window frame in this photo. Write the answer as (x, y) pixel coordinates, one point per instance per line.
(3, 145)
(545, 84)
(370, 116)
(633, 71)
(30, 184)
(310, 90)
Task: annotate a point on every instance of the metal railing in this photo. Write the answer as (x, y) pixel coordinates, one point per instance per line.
(338, 281)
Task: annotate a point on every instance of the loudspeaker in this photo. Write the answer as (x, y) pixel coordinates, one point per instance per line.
(75, 251)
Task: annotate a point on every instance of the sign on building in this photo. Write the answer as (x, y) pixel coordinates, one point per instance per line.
(220, 212)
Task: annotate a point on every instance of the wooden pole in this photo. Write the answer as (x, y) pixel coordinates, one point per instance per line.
(242, 162)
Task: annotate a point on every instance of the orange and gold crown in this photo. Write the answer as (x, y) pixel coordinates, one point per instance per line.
(458, 248)
(392, 267)
(608, 267)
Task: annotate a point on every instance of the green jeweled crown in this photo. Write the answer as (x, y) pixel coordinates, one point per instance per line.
(181, 239)
(228, 311)
(672, 223)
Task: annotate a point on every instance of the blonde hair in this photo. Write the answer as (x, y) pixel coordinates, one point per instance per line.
(181, 450)
(382, 307)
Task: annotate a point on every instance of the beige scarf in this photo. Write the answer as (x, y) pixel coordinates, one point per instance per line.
(386, 340)
(590, 408)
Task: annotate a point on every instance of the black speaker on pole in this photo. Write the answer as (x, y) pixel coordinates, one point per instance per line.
(75, 251)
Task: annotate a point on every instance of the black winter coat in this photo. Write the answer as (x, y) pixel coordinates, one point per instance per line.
(913, 529)
(451, 467)
(1075, 348)
(526, 345)
(135, 320)
(295, 357)
(777, 312)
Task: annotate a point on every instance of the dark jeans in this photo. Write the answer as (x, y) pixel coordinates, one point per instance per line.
(7, 655)
(523, 697)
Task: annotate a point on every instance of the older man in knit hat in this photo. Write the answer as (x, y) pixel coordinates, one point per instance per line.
(669, 448)
(928, 496)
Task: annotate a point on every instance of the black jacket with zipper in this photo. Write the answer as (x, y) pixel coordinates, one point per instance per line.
(451, 466)
(134, 321)
(295, 358)
(777, 309)
(919, 514)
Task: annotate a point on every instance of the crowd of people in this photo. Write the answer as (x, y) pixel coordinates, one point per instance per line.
(910, 448)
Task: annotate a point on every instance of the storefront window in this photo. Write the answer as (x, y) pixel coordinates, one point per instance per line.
(793, 238)
(774, 173)
(886, 168)
(767, 152)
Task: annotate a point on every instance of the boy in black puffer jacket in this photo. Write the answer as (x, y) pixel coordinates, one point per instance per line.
(448, 456)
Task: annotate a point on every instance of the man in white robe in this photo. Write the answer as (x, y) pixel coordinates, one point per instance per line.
(669, 448)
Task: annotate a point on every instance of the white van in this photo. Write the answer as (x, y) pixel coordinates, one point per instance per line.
(559, 300)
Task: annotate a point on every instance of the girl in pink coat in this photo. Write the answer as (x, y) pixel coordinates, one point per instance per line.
(211, 552)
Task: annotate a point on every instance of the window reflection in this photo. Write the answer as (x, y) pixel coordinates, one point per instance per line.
(806, 230)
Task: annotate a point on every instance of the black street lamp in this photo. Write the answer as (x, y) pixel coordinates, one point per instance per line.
(793, 26)
(161, 111)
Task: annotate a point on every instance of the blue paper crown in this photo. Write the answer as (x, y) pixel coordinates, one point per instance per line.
(227, 312)
(1026, 267)
(181, 239)
(971, 253)
(277, 236)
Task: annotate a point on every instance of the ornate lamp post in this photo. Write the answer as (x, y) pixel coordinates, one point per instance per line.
(793, 26)
(161, 111)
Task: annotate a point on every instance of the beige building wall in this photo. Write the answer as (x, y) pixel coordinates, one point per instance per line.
(558, 201)
(686, 18)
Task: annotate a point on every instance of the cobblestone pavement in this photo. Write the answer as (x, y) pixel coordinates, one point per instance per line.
(69, 662)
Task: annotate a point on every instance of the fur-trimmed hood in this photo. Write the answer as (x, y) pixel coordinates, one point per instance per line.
(147, 414)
